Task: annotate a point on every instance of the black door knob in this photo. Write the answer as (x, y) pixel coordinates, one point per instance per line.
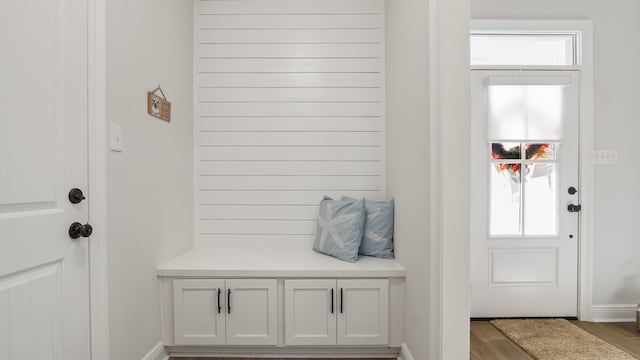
(76, 196)
(77, 230)
(574, 208)
(572, 190)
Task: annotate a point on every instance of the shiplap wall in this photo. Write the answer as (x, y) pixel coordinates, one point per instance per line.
(289, 107)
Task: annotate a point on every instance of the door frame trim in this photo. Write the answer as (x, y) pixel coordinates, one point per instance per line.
(584, 29)
(97, 172)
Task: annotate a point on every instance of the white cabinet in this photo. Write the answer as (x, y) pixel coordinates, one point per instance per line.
(363, 318)
(310, 312)
(337, 312)
(252, 312)
(218, 311)
(198, 313)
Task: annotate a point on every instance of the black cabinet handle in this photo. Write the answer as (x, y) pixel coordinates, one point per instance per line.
(229, 301)
(219, 307)
(341, 301)
(332, 301)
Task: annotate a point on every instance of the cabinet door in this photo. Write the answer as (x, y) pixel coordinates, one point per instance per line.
(252, 312)
(198, 313)
(310, 312)
(363, 314)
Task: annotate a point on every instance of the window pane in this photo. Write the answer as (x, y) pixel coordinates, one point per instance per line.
(505, 151)
(527, 112)
(522, 49)
(540, 199)
(505, 199)
(540, 151)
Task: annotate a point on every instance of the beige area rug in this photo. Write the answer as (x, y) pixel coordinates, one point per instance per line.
(558, 339)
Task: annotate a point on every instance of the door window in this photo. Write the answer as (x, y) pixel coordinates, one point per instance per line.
(523, 49)
(523, 189)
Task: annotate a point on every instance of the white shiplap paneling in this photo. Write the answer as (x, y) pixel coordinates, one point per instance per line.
(289, 107)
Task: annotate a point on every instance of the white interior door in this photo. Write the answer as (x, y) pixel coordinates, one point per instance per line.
(524, 246)
(44, 294)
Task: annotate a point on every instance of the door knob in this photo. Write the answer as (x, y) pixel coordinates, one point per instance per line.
(76, 196)
(572, 190)
(574, 208)
(77, 230)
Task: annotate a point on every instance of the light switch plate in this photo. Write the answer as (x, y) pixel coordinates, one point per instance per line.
(117, 141)
(605, 156)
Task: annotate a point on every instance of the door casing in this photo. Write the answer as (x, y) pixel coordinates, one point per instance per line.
(97, 143)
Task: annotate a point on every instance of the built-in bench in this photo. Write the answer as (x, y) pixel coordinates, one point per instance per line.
(220, 301)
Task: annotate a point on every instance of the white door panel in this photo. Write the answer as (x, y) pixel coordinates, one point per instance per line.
(524, 246)
(30, 318)
(44, 293)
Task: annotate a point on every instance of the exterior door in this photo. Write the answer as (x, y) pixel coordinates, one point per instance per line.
(525, 196)
(44, 278)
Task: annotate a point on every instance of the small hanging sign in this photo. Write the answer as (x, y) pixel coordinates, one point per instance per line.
(158, 106)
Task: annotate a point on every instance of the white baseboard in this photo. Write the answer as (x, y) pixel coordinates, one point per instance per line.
(157, 353)
(614, 313)
(405, 354)
(266, 352)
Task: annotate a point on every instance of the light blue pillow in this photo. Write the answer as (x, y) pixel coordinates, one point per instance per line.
(378, 229)
(340, 228)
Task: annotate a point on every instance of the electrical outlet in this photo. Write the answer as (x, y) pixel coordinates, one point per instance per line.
(117, 141)
(605, 156)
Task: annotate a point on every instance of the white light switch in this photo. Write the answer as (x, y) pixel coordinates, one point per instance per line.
(116, 138)
(605, 156)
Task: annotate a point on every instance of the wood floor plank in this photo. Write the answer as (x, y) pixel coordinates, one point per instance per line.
(510, 350)
(493, 344)
(480, 350)
(486, 331)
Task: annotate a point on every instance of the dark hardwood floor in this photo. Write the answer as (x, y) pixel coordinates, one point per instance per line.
(488, 343)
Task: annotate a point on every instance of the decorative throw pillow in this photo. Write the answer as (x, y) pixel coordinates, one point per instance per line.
(340, 227)
(378, 229)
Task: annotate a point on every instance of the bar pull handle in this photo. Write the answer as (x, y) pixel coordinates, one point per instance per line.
(219, 307)
(332, 301)
(229, 301)
(341, 301)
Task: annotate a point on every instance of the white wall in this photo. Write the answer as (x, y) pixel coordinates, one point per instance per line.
(149, 42)
(285, 116)
(617, 75)
(408, 156)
